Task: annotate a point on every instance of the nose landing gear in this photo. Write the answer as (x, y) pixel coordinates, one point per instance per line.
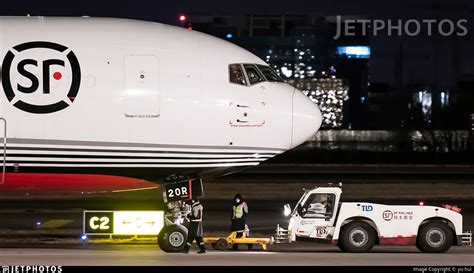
(176, 191)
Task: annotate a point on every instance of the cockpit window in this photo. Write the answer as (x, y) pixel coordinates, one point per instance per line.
(269, 73)
(236, 74)
(253, 74)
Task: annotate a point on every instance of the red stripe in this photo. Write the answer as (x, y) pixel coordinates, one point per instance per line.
(398, 241)
(41, 182)
(190, 189)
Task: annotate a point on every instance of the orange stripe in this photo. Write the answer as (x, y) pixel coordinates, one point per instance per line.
(190, 189)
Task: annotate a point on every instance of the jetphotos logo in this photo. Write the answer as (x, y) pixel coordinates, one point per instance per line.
(41, 77)
(31, 269)
(399, 27)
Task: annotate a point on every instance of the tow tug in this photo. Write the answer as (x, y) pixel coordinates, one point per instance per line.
(358, 226)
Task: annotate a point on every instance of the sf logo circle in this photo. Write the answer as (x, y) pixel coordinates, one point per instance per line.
(41, 77)
(387, 215)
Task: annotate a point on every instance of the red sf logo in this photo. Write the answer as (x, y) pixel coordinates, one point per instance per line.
(387, 215)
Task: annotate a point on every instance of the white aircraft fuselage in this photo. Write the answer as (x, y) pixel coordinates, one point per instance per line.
(139, 99)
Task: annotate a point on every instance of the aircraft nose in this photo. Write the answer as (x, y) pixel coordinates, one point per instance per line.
(307, 118)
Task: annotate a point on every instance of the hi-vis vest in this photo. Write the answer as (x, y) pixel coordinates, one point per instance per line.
(239, 211)
(196, 212)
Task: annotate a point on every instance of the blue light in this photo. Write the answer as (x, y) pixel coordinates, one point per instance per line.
(229, 36)
(84, 237)
(444, 98)
(38, 223)
(362, 99)
(354, 51)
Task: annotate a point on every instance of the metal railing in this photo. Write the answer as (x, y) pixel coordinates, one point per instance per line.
(467, 238)
(281, 235)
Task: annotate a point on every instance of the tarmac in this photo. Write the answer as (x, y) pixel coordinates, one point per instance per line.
(303, 254)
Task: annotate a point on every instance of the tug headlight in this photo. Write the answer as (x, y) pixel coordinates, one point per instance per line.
(287, 210)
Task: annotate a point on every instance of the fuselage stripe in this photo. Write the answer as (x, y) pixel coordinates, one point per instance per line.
(155, 153)
(127, 160)
(54, 142)
(125, 165)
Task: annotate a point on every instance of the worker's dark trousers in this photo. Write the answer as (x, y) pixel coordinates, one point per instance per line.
(193, 229)
(239, 235)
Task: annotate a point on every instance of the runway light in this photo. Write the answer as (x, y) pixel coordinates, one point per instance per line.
(421, 203)
(84, 237)
(38, 223)
(229, 36)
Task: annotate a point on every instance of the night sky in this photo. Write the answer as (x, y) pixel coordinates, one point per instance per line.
(167, 11)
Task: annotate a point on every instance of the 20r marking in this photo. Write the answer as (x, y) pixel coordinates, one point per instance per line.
(177, 192)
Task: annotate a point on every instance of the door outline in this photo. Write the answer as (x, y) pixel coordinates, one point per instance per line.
(4, 150)
(129, 62)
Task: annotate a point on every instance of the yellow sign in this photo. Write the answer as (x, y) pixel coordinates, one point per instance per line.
(123, 222)
(138, 222)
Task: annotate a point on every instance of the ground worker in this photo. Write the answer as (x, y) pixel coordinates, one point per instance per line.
(195, 227)
(239, 214)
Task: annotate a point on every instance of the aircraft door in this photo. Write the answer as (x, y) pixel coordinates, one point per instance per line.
(142, 89)
(3, 132)
(3, 128)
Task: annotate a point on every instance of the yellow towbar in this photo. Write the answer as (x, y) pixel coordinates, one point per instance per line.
(220, 243)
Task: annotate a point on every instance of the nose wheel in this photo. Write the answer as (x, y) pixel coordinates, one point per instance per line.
(172, 238)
